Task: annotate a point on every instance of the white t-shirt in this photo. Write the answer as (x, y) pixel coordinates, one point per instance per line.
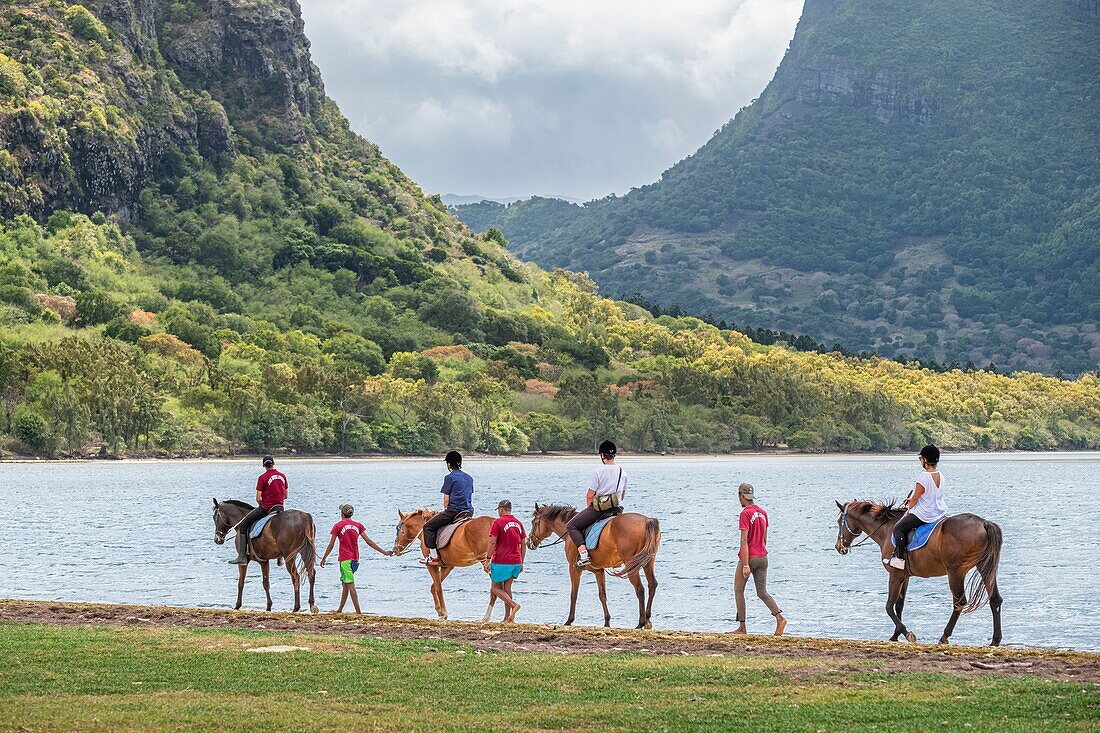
(607, 480)
(931, 506)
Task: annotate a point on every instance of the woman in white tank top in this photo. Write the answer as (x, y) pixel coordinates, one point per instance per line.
(925, 505)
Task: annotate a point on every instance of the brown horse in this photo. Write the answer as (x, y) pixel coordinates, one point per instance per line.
(958, 544)
(288, 537)
(629, 540)
(469, 545)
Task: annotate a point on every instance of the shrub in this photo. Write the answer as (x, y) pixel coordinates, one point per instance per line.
(85, 25)
(95, 306)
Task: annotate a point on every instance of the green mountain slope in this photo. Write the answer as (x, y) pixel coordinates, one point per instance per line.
(198, 255)
(922, 179)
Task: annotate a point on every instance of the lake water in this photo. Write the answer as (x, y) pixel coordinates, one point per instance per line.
(141, 532)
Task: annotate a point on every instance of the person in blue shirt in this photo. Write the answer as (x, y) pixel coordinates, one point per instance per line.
(458, 492)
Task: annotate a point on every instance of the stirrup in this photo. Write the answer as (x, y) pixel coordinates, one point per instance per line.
(434, 562)
(582, 562)
(895, 562)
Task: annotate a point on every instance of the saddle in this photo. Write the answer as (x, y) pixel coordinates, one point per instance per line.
(592, 534)
(443, 538)
(918, 537)
(258, 526)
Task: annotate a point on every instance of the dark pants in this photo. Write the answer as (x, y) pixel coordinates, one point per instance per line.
(584, 519)
(246, 524)
(438, 522)
(904, 526)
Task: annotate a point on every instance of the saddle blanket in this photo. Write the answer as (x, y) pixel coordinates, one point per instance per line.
(918, 538)
(592, 538)
(259, 524)
(444, 537)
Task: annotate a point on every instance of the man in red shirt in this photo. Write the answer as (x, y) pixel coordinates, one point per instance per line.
(752, 559)
(271, 490)
(507, 550)
(348, 532)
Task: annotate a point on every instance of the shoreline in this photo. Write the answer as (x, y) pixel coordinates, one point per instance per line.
(1069, 665)
(1014, 455)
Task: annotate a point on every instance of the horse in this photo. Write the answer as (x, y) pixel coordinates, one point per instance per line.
(287, 537)
(957, 545)
(469, 545)
(630, 540)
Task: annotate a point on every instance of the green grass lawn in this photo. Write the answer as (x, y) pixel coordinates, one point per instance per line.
(123, 679)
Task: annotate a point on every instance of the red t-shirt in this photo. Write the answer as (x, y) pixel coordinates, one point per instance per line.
(348, 531)
(272, 487)
(510, 535)
(755, 520)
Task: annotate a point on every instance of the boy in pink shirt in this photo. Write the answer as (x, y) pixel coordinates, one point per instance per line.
(348, 532)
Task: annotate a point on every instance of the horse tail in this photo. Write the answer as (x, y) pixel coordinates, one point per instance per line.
(984, 580)
(307, 553)
(647, 553)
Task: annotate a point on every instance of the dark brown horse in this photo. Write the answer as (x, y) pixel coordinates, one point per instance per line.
(629, 540)
(957, 545)
(288, 537)
(469, 545)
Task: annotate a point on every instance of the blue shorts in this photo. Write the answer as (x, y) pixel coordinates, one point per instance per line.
(500, 572)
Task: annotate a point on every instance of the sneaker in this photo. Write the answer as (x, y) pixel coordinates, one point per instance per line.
(434, 562)
(897, 562)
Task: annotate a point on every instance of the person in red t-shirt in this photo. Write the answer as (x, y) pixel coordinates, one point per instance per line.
(506, 552)
(271, 490)
(752, 559)
(347, 531)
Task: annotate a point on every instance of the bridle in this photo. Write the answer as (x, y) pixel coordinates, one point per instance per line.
(398, 552)
(219, 534)
(854, 532)
(539, 545)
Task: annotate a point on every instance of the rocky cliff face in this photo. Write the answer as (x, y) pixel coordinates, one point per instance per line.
(85, 119)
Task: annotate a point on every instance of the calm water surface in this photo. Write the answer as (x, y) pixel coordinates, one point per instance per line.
(141, 532)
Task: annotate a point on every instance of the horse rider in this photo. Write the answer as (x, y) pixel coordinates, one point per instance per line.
(458, 492)
(924, 506)
(606, 491)
(271, 491)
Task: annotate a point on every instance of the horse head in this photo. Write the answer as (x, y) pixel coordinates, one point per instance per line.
(409, 527)
(222, 522)
(545, 521)
(848, 526)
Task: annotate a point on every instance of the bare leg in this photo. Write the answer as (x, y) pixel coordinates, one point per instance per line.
(343, 597)
(265, 567)
(636, 581)
(242, 570)
(492, 604)
(575, 586)
(602, 588)
(354, 597)
(956, 580)
(499, 592)
(511, 617)
(651, 581)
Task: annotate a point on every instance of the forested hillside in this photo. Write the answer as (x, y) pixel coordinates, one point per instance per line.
(919, 178)
(197, 255)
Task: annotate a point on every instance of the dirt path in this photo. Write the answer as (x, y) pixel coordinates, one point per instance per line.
(824, 654)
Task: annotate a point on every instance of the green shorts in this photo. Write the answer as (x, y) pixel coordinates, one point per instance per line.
(499, 572)
(347, 570)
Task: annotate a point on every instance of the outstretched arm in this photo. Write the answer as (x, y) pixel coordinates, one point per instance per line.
(373, 546)
(328, 550)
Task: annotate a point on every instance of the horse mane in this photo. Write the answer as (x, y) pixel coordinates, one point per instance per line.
(881, 511)
(553, 512)
(239, 503)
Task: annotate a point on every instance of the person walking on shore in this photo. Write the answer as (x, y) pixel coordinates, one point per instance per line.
(507, 550)
(347, 531)
(752, 559)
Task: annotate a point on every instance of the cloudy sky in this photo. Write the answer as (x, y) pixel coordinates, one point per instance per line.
(578, 98)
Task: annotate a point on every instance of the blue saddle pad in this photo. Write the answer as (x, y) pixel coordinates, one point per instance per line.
(259, 524)
(918, 538)
(592, 538)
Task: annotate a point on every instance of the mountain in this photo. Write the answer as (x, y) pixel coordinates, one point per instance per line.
(919, 178)
(457, 199)
(199, 256)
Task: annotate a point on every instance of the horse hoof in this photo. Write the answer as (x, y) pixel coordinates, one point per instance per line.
(314, 609)
(943, 641)
(910, 637)
(649, 624)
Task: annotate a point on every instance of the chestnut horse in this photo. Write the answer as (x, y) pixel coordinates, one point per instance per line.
(468, 545)
(957, 545)
(288, 537)
(630, 540)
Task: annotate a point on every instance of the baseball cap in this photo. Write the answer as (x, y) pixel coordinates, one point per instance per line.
(747, 491)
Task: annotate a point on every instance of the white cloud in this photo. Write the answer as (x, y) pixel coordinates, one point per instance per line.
(581, 96)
